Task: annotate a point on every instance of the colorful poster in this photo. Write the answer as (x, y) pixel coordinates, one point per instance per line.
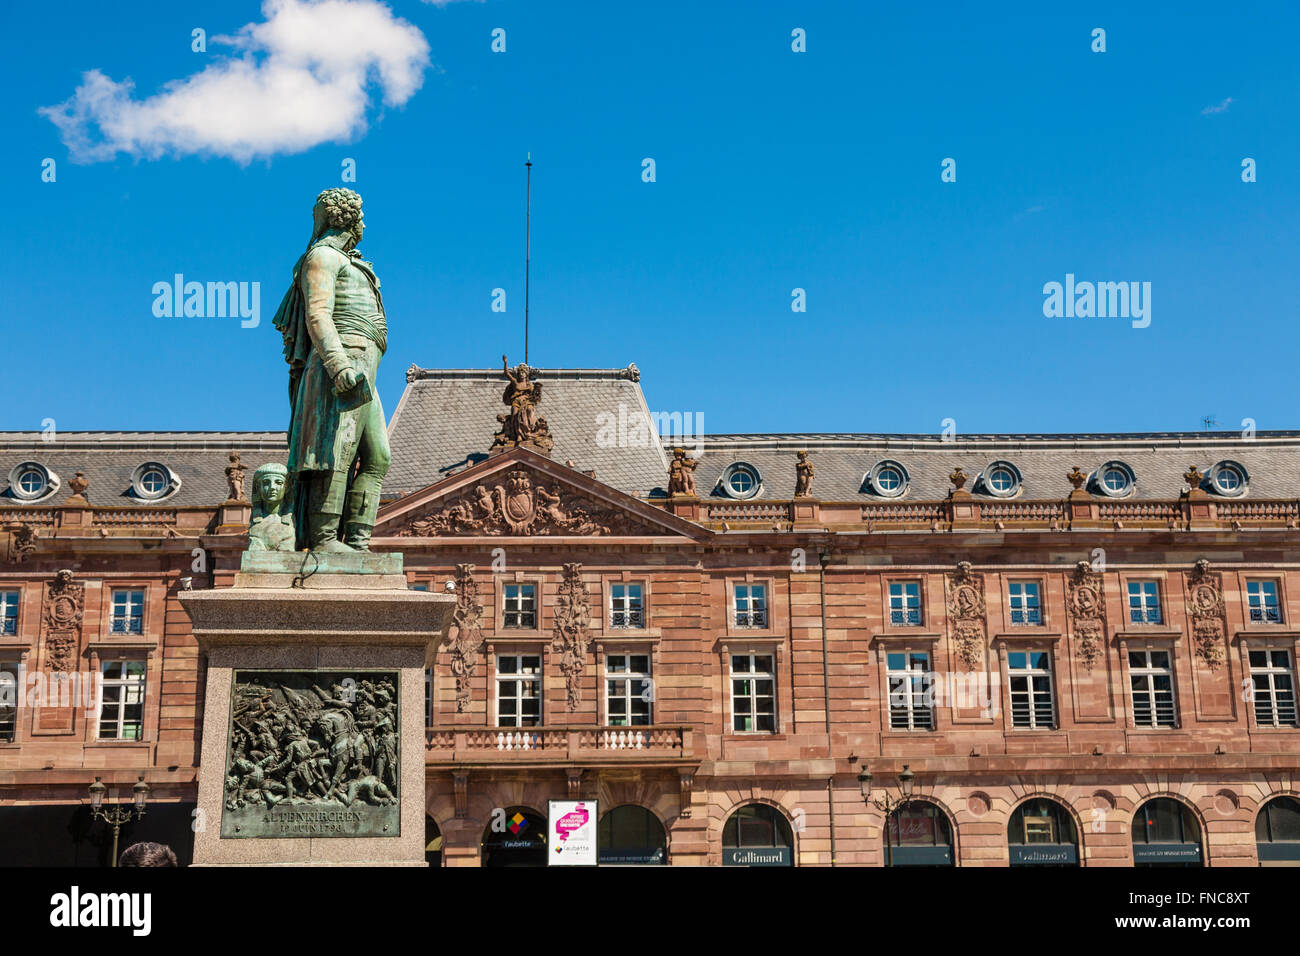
(573, 833)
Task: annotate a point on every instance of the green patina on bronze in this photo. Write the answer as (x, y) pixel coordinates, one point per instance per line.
(271, 527)
(335, 333)
(304, 761)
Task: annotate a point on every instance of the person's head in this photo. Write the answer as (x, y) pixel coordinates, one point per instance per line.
(269, 483)
(340, 209)
(147, 854)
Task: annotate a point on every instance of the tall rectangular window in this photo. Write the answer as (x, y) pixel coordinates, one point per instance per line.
(628, 690)
(753, 693)
(751, 605)
(1031, 689)
(910, 694)
(1144, 603)
(8, 612)
(1152, 679)
(121, 710)
(905, 603)
(1262, 597)
(1273, 683)
(1023, 597)
(9, 689)
(128, 612)
(520, 606)
(519, 690)
(428, 697)
(626, 608)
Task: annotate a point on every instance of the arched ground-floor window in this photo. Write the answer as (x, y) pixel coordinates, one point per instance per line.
(1277, 832)
(630, 835)
(918, 835)
(1166, 833)
(432, 842)
(757, 835)
(517, 839)
(1042, 833)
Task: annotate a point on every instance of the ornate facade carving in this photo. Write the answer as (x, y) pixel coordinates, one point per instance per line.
(571, 636)
(1086, 604)
(64, 606)
(803, 476)
(465, 634)
(235, 477)
(967, 613)
(1209, 624)
(518, 508)
(17, 541)
(681, 474)
(522, 425)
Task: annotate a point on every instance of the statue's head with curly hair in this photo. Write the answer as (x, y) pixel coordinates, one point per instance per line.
(340, 209)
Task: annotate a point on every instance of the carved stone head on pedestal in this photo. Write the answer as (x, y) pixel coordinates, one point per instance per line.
(271, 527)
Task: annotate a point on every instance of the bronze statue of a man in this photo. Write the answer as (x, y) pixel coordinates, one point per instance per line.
(335, 333)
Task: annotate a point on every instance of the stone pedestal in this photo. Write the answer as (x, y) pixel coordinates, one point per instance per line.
(305, 648)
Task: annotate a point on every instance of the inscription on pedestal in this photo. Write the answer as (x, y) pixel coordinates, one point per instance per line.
(312, 754)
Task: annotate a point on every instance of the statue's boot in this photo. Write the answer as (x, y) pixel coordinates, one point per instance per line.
(361, 508)
(325, 534)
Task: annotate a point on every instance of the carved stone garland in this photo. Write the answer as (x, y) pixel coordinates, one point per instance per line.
(571, 637)
(518, 508)
(65, 602)
(1208, 613)
(465, 634)
(967, 612)
(1087, 607)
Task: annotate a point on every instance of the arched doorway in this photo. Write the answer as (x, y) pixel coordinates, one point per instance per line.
(630, 835)
(432, 842)
(757, 835)
(1277, 832)
(1166, 833)
(1042, 833)
(516, 838)
(918, 835)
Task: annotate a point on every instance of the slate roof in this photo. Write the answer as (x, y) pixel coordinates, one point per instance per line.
(199, 459)
(446, 418)
(1158, 460)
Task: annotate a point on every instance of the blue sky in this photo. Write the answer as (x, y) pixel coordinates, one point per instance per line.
(774, 170)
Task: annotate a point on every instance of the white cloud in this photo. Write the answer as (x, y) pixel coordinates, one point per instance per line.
(302, 77)
(1220, 108)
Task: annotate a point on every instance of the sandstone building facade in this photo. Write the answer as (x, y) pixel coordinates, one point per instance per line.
(1069, 649)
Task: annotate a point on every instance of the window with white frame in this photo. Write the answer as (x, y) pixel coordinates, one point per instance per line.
(626, 605)
(629, 691)
(1273, 684)
(1024, 601)
(1030, 674)
(520, 606)
(751, 605)
(128, 611)
(519, 690)
(905, 603)
(1151, 677)
(8, 700)
(1144, 602)
(753, 693)
(1262, 597)
(911, 696)
(121, 709)
(9, 612)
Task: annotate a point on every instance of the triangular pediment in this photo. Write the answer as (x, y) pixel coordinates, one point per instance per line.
(520, 493)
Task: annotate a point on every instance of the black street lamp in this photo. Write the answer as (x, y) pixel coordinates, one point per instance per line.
(885, 803)
(119, 814)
